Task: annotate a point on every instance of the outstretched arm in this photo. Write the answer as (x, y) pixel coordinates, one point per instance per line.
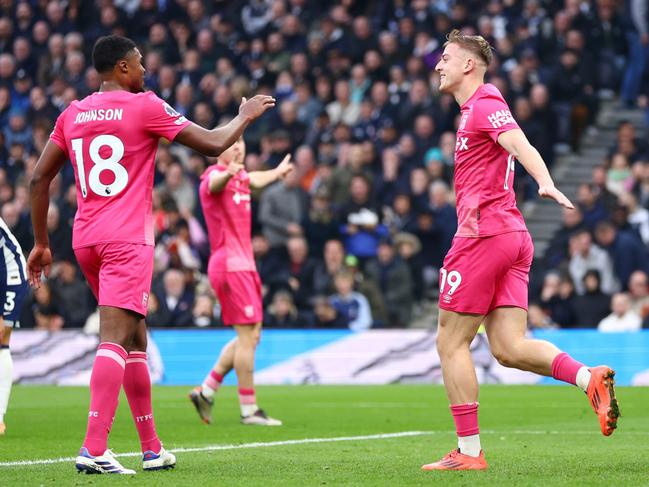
(515, 142)
(214, 142)
(260, 179)
(219, 179)
(47, 167)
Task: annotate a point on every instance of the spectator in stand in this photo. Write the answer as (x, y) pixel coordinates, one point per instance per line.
(47, 315)
(444, 217)
(268, 261)
(638, 217)
(178, 185)
(623, 318)
(402, 217)
(60, 234)
(558, 248)
(176, 300)
(408, 247)
(332, 262)
(625, 249)
(73, 298)
(586, 256)
(325, 314)
(639, 293)
(547, 118)
(343, 109)
(638, 41)
(281, 210)
(155, 316)
(20, 227)
(320, 224)
(352, 305)
(593, 305)
(393, 277)
(557, 299)
(203, 312)
(351, 163)
(600, 181)
(590, 205)
(299, 271)
(282, 312)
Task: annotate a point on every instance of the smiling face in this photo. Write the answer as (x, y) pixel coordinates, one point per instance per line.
(463, 64)
(452, 67)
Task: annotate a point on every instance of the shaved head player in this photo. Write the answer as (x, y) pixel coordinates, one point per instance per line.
(486, 272)
(111, 137)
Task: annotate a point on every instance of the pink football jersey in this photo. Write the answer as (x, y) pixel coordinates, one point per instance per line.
(484, 171)
(111, 139)
(229, 221)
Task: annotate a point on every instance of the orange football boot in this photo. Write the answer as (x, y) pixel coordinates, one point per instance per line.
(601, 394)
(458, 461)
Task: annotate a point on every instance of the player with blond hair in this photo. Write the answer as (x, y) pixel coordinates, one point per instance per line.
(485, 274)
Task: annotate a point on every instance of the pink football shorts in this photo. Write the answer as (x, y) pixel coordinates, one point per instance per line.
(481, 274)
(239, 293)
(119, 274)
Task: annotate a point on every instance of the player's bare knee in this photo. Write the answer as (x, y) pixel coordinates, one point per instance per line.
(506, 356)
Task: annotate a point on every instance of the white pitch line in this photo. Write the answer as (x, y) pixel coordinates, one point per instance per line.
(382, 436)
(303, 441)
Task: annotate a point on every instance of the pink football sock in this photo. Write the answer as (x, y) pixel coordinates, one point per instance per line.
(213, 380)
(137, 385)
(105, 382)
(466, 418)
(565, 368)
(247, 396)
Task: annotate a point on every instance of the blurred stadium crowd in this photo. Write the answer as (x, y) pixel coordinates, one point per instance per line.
(354, 238)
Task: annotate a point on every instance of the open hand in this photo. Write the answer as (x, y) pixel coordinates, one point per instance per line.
(255, 107)
(552, 193)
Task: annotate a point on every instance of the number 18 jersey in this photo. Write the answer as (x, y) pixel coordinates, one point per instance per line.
(111, 138)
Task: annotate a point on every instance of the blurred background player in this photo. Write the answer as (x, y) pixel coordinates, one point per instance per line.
(13, 288)
(111, 138)
(225, 198)
(486, 272)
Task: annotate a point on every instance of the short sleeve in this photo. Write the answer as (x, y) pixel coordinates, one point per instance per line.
(57, 136)
(160, 119)
(204, 186)
(492, 115)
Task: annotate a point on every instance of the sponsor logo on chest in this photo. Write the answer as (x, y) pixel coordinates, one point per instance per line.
(239, 197)
(461, 143)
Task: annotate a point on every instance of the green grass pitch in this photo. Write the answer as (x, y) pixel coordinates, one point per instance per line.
(532, 435)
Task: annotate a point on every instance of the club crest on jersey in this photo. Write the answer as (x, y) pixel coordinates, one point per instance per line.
(239, 197)
(500, 118)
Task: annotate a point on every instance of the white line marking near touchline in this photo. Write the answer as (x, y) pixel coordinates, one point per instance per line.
(303, 441)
